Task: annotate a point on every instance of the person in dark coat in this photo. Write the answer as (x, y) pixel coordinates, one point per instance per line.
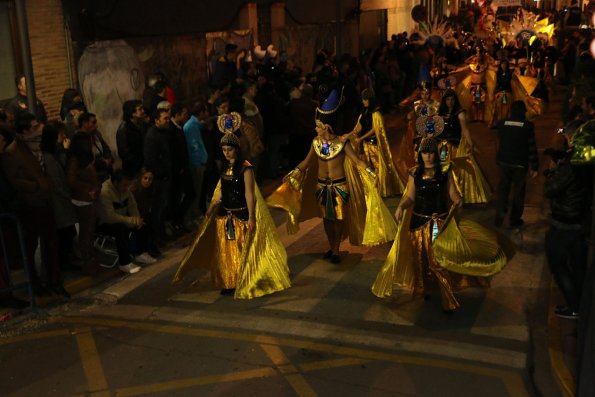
(130, 136)
(516, 156)
(158, 158)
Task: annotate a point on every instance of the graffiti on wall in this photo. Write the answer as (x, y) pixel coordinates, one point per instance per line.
(112, 72)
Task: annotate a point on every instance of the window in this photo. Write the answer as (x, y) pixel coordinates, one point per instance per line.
(10, 59)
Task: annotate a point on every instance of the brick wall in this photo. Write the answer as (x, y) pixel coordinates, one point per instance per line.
(48, 50)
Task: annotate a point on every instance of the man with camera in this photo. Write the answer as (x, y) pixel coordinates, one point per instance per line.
(565, 241)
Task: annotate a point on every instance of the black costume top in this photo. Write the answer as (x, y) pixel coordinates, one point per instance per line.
(503, 80)
(452, 127)
(430, 196)
(366, 123)
(233, 193)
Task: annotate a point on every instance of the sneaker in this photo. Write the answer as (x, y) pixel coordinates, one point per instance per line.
(130, 268)
(566, 312)
(145, 258)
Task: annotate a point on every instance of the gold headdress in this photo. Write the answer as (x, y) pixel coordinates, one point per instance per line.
(429, 126)
(228, 124)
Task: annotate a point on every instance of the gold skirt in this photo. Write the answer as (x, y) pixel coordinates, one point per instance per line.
(501, 109)
(371, 155)
(426, 270)
(225, 273)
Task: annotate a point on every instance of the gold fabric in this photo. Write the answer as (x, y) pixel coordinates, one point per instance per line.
(522, 89)
(370, 155)
(466, 98)
(472, 183)
(389, 182)
(290, 197)
(501, 110)
(225, 275)
(426, 269)
(462, 247)
(370, 222)
(407, 155)
(262, 267)
(469, 179)
(466, 247)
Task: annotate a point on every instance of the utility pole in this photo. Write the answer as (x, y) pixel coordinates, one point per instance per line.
(338, 33)
(26, 48)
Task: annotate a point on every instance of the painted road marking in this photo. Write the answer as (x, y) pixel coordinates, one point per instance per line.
(91, 362)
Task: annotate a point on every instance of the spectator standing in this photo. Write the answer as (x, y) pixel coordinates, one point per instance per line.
(34, 210)
(158, 158)
(182, 191)
(102, 154)
(225, 71)
(8, 203)
(84, 188)
(130, 136)
(194, 129)
(61, 199)
(70, 97)
(301, 124)
(158, 96)
(20, 105)
(566, 240)
(516, 155)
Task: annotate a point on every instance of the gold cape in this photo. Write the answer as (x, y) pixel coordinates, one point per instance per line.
(462, 246)
(389, 182)
(522, 90)
(470, 180)
(370, 223)
(466, 98)
(263, 264)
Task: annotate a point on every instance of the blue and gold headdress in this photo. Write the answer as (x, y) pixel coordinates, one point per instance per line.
(228, 124)
(326, 115)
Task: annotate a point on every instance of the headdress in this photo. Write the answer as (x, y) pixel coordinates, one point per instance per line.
(526, 26)
(435, 35)
(446, 83)
(228, 124)
(429, 126)
(326, 114)
(428, 145)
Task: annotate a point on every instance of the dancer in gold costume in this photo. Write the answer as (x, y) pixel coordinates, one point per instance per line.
(238, 240)
(432, 244)
(425, 106)
(502, 93)
(334, 183)
(370, 132)
(455, 145)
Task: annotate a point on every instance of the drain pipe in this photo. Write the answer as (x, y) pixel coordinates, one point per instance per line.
(26, 48)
